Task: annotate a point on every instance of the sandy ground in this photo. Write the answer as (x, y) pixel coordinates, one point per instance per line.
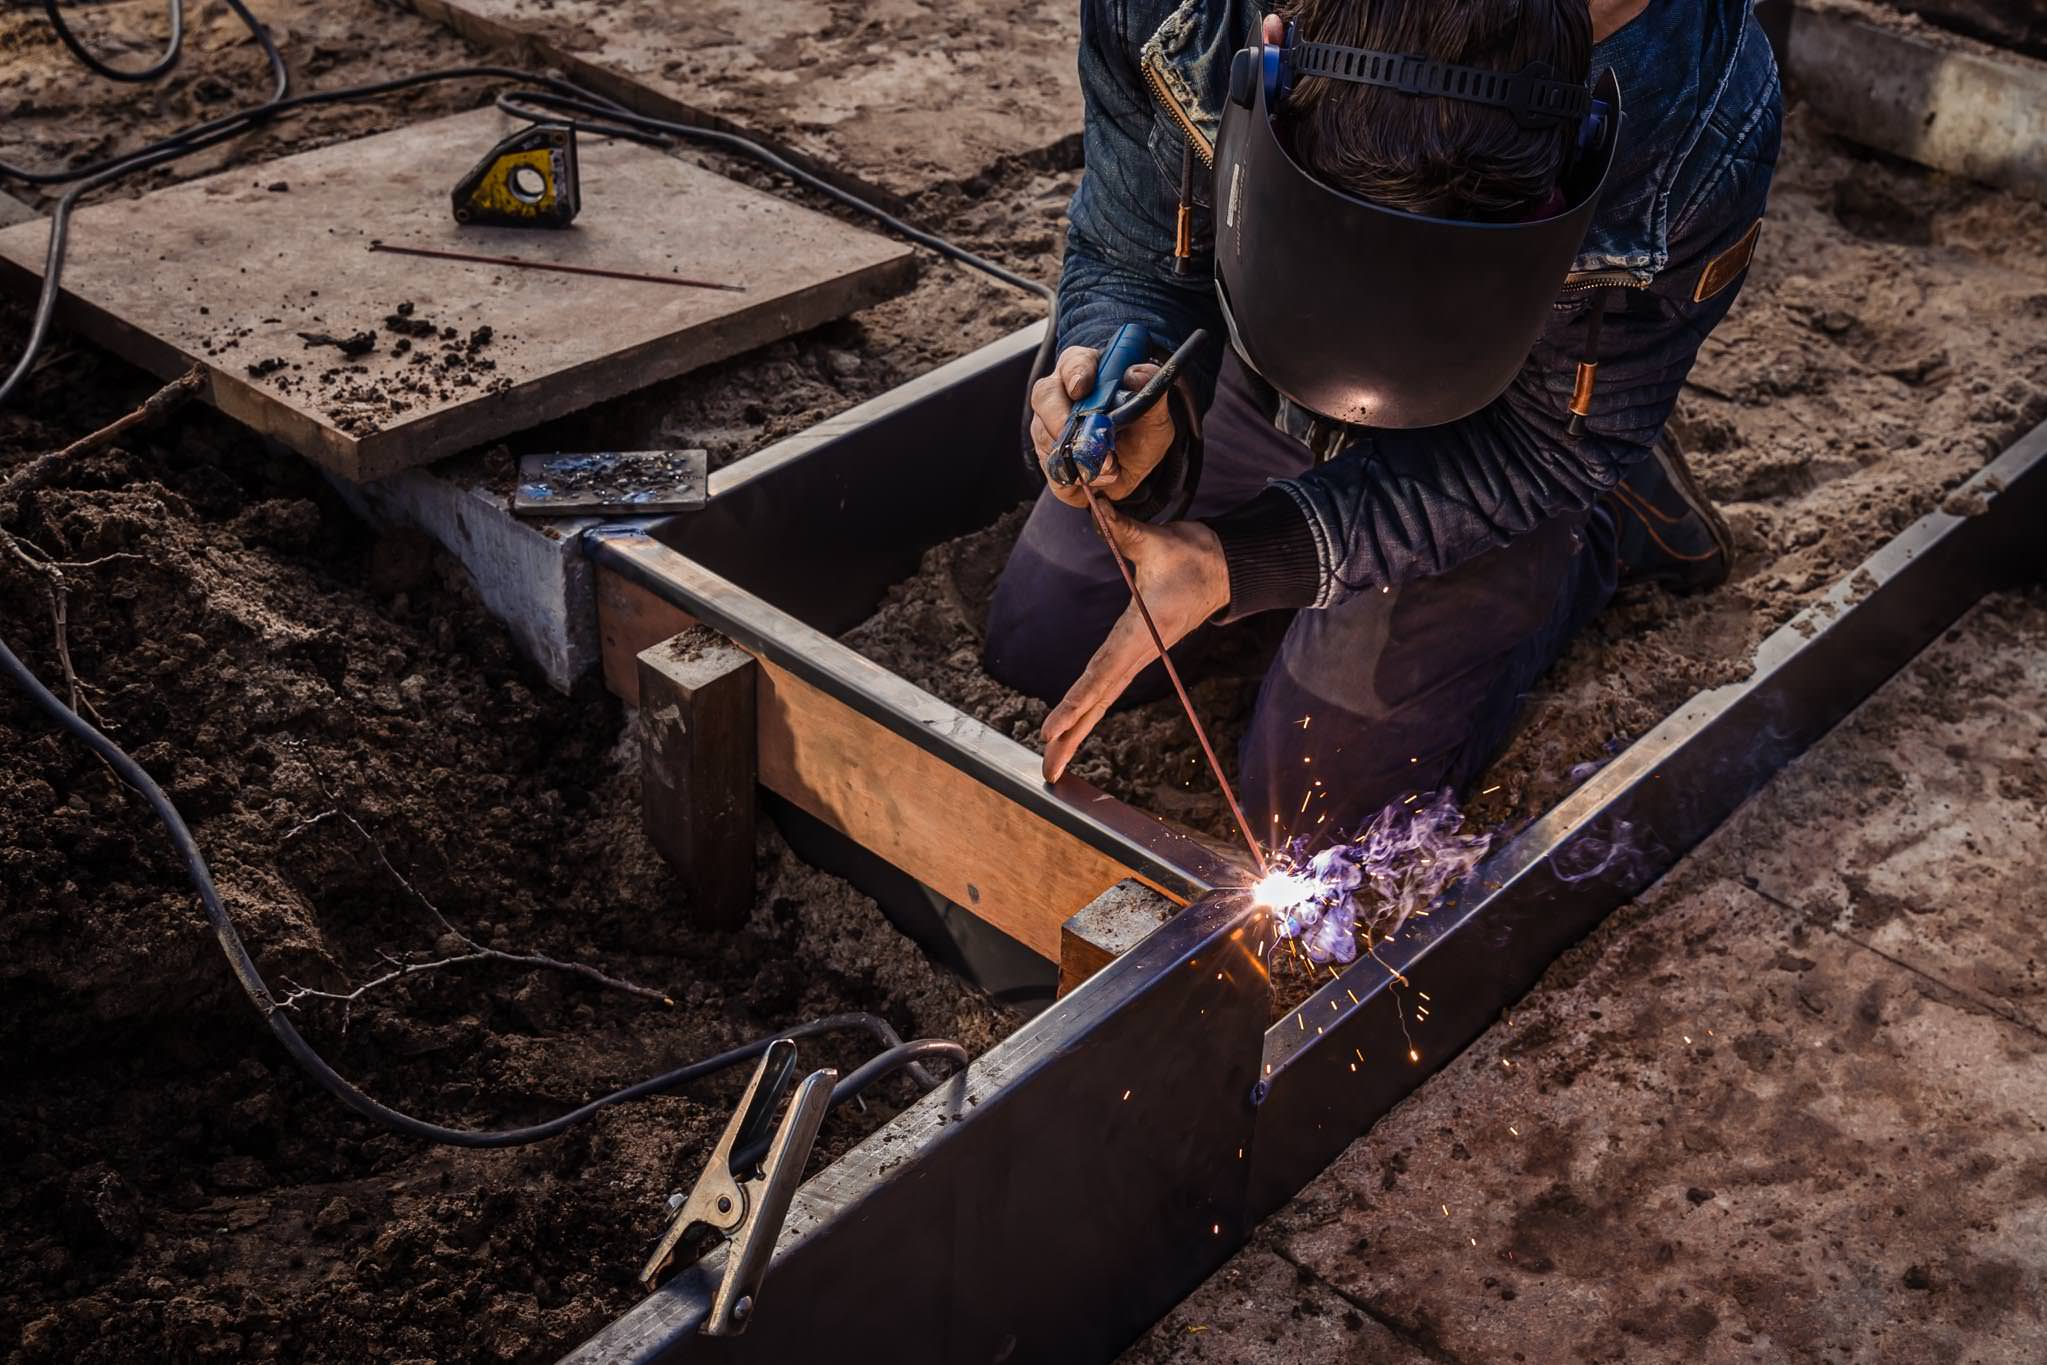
(1891, 338)
(1786, 1107)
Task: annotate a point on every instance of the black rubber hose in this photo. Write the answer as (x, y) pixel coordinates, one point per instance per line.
(899, 1054)
(172, 50)
(1155, 388)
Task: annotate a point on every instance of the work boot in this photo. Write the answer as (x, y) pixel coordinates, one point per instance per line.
(1668, 530)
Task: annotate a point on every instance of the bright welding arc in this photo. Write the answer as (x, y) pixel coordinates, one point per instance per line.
(1094, 508)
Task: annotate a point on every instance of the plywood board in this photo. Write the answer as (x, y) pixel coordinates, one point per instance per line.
(895, 95)
(236, 270)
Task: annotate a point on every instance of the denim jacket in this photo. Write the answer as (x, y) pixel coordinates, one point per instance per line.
(1702, 111)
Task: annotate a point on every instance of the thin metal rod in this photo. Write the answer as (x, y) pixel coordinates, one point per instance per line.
(1094, 508)
(516, 263)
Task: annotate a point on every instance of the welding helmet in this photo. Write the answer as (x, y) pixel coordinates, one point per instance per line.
(1372, 316)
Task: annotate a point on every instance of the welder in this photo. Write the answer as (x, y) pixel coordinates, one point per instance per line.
(1457, 258)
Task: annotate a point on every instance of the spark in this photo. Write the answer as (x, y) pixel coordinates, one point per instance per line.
(1414, 1056)
(1512, 1129)
(1305, 720)
(1446, 1210)
(1490, 790)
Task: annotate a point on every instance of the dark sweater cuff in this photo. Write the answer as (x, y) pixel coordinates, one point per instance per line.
(1270, 550)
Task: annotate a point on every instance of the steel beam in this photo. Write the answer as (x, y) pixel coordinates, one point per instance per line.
(1088, 1171)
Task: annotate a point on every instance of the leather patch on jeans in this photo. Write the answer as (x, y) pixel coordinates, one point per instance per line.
(1725, 268)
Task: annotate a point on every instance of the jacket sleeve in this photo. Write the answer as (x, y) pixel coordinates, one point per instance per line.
(1119, 266)
(1397, 506)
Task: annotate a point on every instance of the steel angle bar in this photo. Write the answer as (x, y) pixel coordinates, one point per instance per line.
(1048, 1205)
(1359, 1045)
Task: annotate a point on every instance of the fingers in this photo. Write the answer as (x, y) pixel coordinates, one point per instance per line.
(1076, 370)
(1119, 660)
(1128, 536)
(1274, 30)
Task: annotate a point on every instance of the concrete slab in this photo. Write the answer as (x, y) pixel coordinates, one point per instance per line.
(13, 211)
(1925, 835)
(426, 357)
(897, 95)
(1262, 1310)
(1719, 1130)
(531, 574)
(1716, 1135)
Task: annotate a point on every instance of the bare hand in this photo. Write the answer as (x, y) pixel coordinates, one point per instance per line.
(1181, 572)
(1139, 446)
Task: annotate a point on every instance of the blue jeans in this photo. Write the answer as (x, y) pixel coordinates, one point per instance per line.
(1409, 689)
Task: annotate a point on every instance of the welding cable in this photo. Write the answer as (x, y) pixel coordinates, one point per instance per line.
(897, 1055)
(172, 50)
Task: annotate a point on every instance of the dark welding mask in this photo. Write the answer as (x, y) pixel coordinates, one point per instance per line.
(1372, 316)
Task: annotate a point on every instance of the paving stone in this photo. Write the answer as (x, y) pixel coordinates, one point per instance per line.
(1718, 1135)
(1919, 827)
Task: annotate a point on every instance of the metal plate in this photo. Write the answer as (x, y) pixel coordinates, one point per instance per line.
(612, 483)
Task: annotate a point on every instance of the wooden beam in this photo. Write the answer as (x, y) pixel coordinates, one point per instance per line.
(631, 620)
(697, 769)
(1107, 927)
(956, 835)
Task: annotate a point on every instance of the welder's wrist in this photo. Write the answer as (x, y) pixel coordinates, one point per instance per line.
(1270, 550)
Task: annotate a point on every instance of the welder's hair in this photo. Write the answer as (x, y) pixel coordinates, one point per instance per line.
(1443, 157)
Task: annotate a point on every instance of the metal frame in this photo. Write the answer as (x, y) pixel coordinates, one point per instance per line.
(1022, 1215)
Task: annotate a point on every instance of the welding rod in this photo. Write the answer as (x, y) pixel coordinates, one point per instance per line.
(518, 264)
(1094, 508)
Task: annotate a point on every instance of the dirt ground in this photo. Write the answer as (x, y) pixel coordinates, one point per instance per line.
(1891, 338)
(1787, 1107)
(179, 1191)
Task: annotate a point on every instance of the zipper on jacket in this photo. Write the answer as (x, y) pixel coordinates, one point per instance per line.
(1192, 143)
(1203, 148)
(1603, 279)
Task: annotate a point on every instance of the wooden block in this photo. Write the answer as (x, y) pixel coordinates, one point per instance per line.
(697, 769)
(894, 95)
(1107, 927)
(1935, 99)
(228, 273)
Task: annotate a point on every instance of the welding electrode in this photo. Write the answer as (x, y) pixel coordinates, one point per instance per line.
(1094, 507)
